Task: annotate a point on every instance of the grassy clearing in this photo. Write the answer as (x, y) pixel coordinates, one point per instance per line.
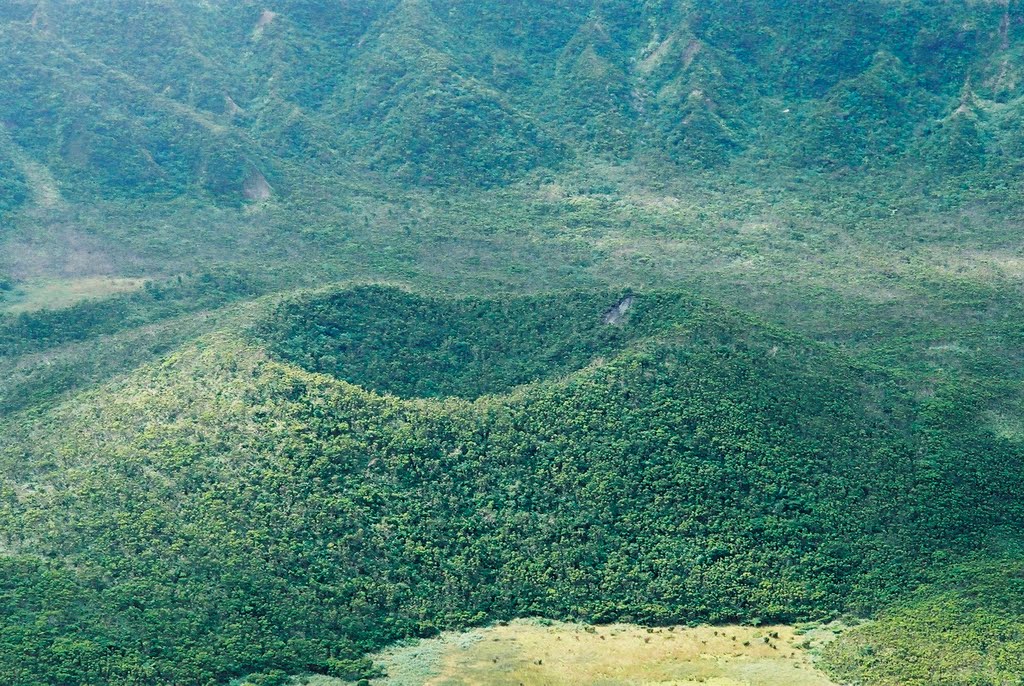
(532, 653)
(57, 293)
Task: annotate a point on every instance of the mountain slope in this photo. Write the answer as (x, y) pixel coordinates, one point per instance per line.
(963, 627)
(407, 85)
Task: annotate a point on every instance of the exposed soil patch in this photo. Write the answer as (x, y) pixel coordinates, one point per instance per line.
(55, 251)
(44, 187)
(656, 56)
(616, 313)
(256, 187)
(266, 18)
(60, 293)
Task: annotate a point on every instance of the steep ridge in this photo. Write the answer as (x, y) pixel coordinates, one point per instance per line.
(590, 94)
(432, 123)
(423, 92)
(113, 135)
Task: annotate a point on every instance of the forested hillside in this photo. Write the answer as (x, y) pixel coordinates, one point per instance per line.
(327, 324)
(223, 513)
(240, 100)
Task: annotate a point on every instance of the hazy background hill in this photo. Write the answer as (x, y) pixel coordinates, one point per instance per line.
(160, 99)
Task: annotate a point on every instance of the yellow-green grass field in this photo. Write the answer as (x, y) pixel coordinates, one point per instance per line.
(57, 293)
(534, 653)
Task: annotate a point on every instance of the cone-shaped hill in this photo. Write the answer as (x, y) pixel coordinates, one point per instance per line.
(647, 457)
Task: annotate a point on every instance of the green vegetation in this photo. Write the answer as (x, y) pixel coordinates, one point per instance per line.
(45, 353)
(43, 329)
(256, 465)
(236, 514)
(391, 341)
(967, 627)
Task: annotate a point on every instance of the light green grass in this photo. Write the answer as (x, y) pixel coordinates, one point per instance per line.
(58, 293)
(533, 653)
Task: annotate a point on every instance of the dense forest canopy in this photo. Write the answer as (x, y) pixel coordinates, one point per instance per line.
(710, 469)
